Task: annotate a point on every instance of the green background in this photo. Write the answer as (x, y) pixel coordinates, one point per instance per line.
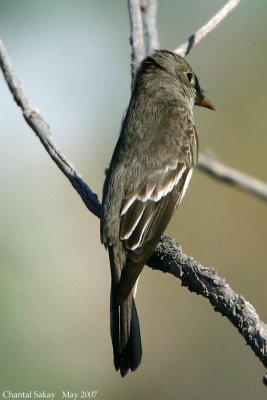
(73, 58)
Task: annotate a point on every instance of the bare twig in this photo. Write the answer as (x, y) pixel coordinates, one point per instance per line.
(137, 38)
(194, 39)
(149, 9)
(41, 128)
(245, 182)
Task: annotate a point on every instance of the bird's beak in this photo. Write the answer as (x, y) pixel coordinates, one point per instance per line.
(204, 102)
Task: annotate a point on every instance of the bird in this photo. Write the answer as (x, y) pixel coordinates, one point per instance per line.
(146, 180)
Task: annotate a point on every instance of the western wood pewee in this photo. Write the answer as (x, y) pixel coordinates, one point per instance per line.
(149, 173)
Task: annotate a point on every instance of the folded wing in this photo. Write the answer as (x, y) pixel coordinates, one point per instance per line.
(148, 207)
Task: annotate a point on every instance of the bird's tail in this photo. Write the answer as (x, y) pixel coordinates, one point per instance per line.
(125, 334)
(124, 323)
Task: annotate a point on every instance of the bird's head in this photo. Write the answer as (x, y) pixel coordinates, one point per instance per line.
(178, 68)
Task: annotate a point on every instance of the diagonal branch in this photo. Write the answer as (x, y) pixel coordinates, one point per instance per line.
(42, 130)
(168, 257)
(194, 39)
(245, 182)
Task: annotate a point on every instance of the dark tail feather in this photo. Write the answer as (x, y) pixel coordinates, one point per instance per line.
(115, 328)
(125, 334)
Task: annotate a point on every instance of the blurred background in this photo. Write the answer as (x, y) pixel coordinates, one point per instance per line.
(73, 58)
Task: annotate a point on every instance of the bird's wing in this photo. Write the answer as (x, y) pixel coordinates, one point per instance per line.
(158, 189)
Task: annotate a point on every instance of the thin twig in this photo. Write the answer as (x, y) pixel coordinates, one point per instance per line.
(137, 38)
(149, 9)
(194, 39)
(42, 130)
(219, 170)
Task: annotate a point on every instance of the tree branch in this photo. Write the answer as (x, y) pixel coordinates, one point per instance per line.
(137, 38)
(42, 130)
(168, 257)
(149, 9)
(245, 182)
(194, 39)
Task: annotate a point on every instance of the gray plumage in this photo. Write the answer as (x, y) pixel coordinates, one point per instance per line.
(148, 175)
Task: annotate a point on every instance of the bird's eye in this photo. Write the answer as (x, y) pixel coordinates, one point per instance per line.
(190, 77)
